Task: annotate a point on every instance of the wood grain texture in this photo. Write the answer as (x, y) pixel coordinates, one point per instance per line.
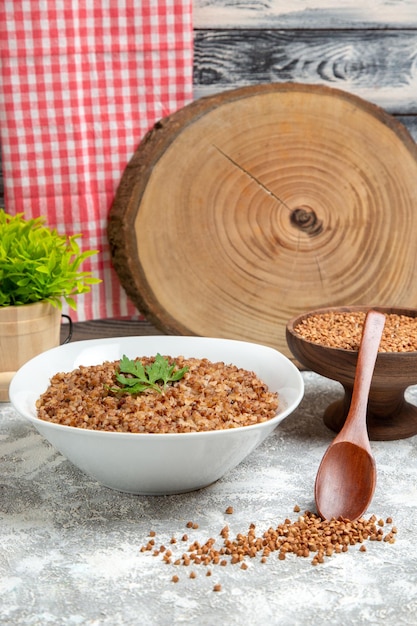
(309, 14)
(244, 208)
(99, 329)
(410, 123)
(365, 48)
(378, 66)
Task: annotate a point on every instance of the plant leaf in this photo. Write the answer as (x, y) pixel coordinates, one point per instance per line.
(37, 263)
(139, 378)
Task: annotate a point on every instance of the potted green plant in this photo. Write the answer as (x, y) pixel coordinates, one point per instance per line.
(39, 269)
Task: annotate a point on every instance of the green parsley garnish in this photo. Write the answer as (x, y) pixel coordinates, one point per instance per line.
(133, 377)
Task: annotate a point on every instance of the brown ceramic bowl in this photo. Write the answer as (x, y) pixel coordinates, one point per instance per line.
(389, 415)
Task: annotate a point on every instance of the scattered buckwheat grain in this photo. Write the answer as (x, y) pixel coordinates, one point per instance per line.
(308, 536)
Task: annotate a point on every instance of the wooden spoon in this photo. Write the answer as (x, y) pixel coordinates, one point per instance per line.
(346, 478)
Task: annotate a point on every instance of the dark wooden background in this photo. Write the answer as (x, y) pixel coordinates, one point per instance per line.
(366, 47)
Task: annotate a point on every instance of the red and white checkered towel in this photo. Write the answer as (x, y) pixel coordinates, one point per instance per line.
(81, 83)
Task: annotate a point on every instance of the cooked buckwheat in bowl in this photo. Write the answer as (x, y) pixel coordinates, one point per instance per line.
(157, 415)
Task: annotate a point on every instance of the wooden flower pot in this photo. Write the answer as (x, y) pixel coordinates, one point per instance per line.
(25, 331)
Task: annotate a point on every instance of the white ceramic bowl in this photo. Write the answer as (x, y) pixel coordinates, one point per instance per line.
(156, 464)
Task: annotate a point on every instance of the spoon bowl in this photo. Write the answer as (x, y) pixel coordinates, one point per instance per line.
(350, 488)
(346, 479)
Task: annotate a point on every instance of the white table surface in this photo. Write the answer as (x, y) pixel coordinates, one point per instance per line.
(70, 548)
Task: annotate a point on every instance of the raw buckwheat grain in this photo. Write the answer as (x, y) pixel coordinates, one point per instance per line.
(309, 536)
(344, 330)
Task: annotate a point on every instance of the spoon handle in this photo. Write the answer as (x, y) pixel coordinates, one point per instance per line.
(368, 352)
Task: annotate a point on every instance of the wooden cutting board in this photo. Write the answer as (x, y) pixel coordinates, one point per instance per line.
(248, 207)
